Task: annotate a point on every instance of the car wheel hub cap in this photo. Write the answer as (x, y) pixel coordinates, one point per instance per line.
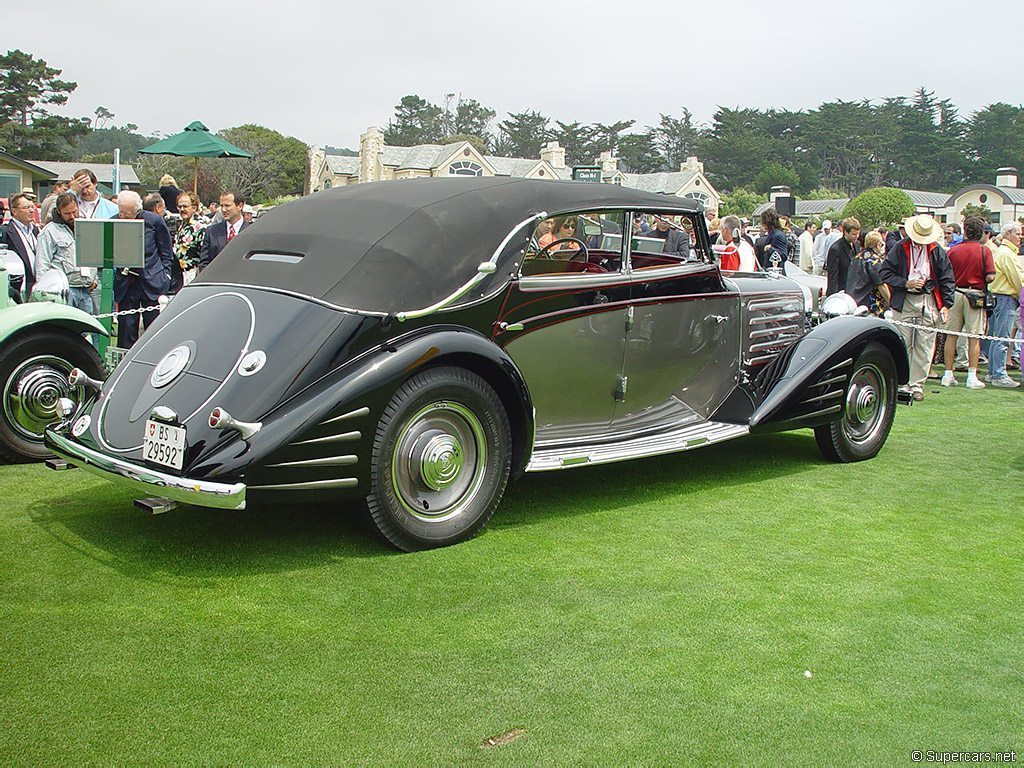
(32, 392)
(438, 463)
(866, 404)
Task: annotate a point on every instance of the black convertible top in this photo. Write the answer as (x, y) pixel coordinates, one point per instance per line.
(401, 245)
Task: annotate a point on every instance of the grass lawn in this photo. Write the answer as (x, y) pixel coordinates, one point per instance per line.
(654, 612)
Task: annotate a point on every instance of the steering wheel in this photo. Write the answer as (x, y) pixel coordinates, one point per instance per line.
(546, 251)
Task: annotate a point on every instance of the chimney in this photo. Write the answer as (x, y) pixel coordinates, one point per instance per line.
(1006, 177)
(777, 192)
(371, 145)
(317, 156)
(609, 164)
(553, 154)
(692, 164)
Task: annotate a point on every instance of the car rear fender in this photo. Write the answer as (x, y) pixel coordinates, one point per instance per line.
(799, 388)
(363, 387)
(20, 317)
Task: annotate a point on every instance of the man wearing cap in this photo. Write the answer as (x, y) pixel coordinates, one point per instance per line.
(922, 287)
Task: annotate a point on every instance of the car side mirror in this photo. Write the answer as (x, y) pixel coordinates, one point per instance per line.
(590, 230)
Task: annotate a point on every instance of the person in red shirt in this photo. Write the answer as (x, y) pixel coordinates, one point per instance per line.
(726, 250)
(973, 269)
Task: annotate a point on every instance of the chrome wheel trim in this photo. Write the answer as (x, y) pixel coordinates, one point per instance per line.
(867, 404)
(437, 466)
(32, 391)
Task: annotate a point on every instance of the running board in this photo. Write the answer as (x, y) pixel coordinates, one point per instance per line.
(681, 439)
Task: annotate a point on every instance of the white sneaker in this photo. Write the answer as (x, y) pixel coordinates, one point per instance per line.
(974, 383)
(949, 380)
(1005, 382)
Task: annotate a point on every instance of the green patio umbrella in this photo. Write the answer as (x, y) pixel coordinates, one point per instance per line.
(195, 141)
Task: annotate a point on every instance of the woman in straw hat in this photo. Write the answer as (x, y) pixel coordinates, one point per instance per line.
(922, 288)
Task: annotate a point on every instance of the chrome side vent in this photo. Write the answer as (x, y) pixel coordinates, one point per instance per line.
(772, 325)
(825, 396)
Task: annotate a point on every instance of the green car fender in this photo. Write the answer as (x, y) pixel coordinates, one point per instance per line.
(21, 316)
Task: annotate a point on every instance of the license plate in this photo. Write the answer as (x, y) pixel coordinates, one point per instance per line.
(164, 444)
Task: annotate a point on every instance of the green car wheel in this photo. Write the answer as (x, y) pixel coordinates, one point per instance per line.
(34, 368)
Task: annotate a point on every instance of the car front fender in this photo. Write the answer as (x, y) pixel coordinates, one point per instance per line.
(794, 387)
(22, 316)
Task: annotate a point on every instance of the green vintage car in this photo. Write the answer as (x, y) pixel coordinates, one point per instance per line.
(40, 343)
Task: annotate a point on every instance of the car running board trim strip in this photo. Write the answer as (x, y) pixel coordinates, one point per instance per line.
(685, 439)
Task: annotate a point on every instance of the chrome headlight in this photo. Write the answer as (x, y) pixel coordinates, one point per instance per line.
(838, 304)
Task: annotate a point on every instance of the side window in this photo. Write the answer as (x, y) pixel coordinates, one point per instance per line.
(664, 240)
(575, 243)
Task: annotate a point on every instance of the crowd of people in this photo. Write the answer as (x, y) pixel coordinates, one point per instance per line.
(931, 279)
(180, 239)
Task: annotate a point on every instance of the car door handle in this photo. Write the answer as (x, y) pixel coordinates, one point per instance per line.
(510, 326)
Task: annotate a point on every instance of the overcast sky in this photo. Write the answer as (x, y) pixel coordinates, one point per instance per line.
(324, 71)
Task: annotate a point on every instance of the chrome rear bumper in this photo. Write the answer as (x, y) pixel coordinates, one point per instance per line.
(151, 482)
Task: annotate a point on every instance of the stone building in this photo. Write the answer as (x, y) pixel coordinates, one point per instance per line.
(379, 162)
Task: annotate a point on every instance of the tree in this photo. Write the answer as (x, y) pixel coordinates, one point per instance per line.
(468, 117)
(416, 121)
(676, 139)
(638, 153)
(522, 134)
(976, 210)
(880, 206)
(106, 140)
(27, 86)
(279, 164)
(775, 174)
(996, 136)
(103, 116)
(606, 137)
(576, 139)
(740, 202)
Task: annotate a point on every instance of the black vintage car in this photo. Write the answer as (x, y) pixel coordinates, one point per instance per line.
(417, 344)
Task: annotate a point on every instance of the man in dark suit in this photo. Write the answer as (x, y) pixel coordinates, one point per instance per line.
(223, 232)
(20, 234)
(677, 239)
(142, 288)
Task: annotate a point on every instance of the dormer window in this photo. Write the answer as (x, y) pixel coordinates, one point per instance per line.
(465, 168)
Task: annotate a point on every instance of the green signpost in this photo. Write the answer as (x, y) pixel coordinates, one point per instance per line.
(107, 245)
(589, 173)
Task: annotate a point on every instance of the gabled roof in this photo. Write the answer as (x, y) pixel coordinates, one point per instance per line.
(661, 183)
(342, 165)
(27, 165)
(512, 166)
(927, 199)
(104, 171)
